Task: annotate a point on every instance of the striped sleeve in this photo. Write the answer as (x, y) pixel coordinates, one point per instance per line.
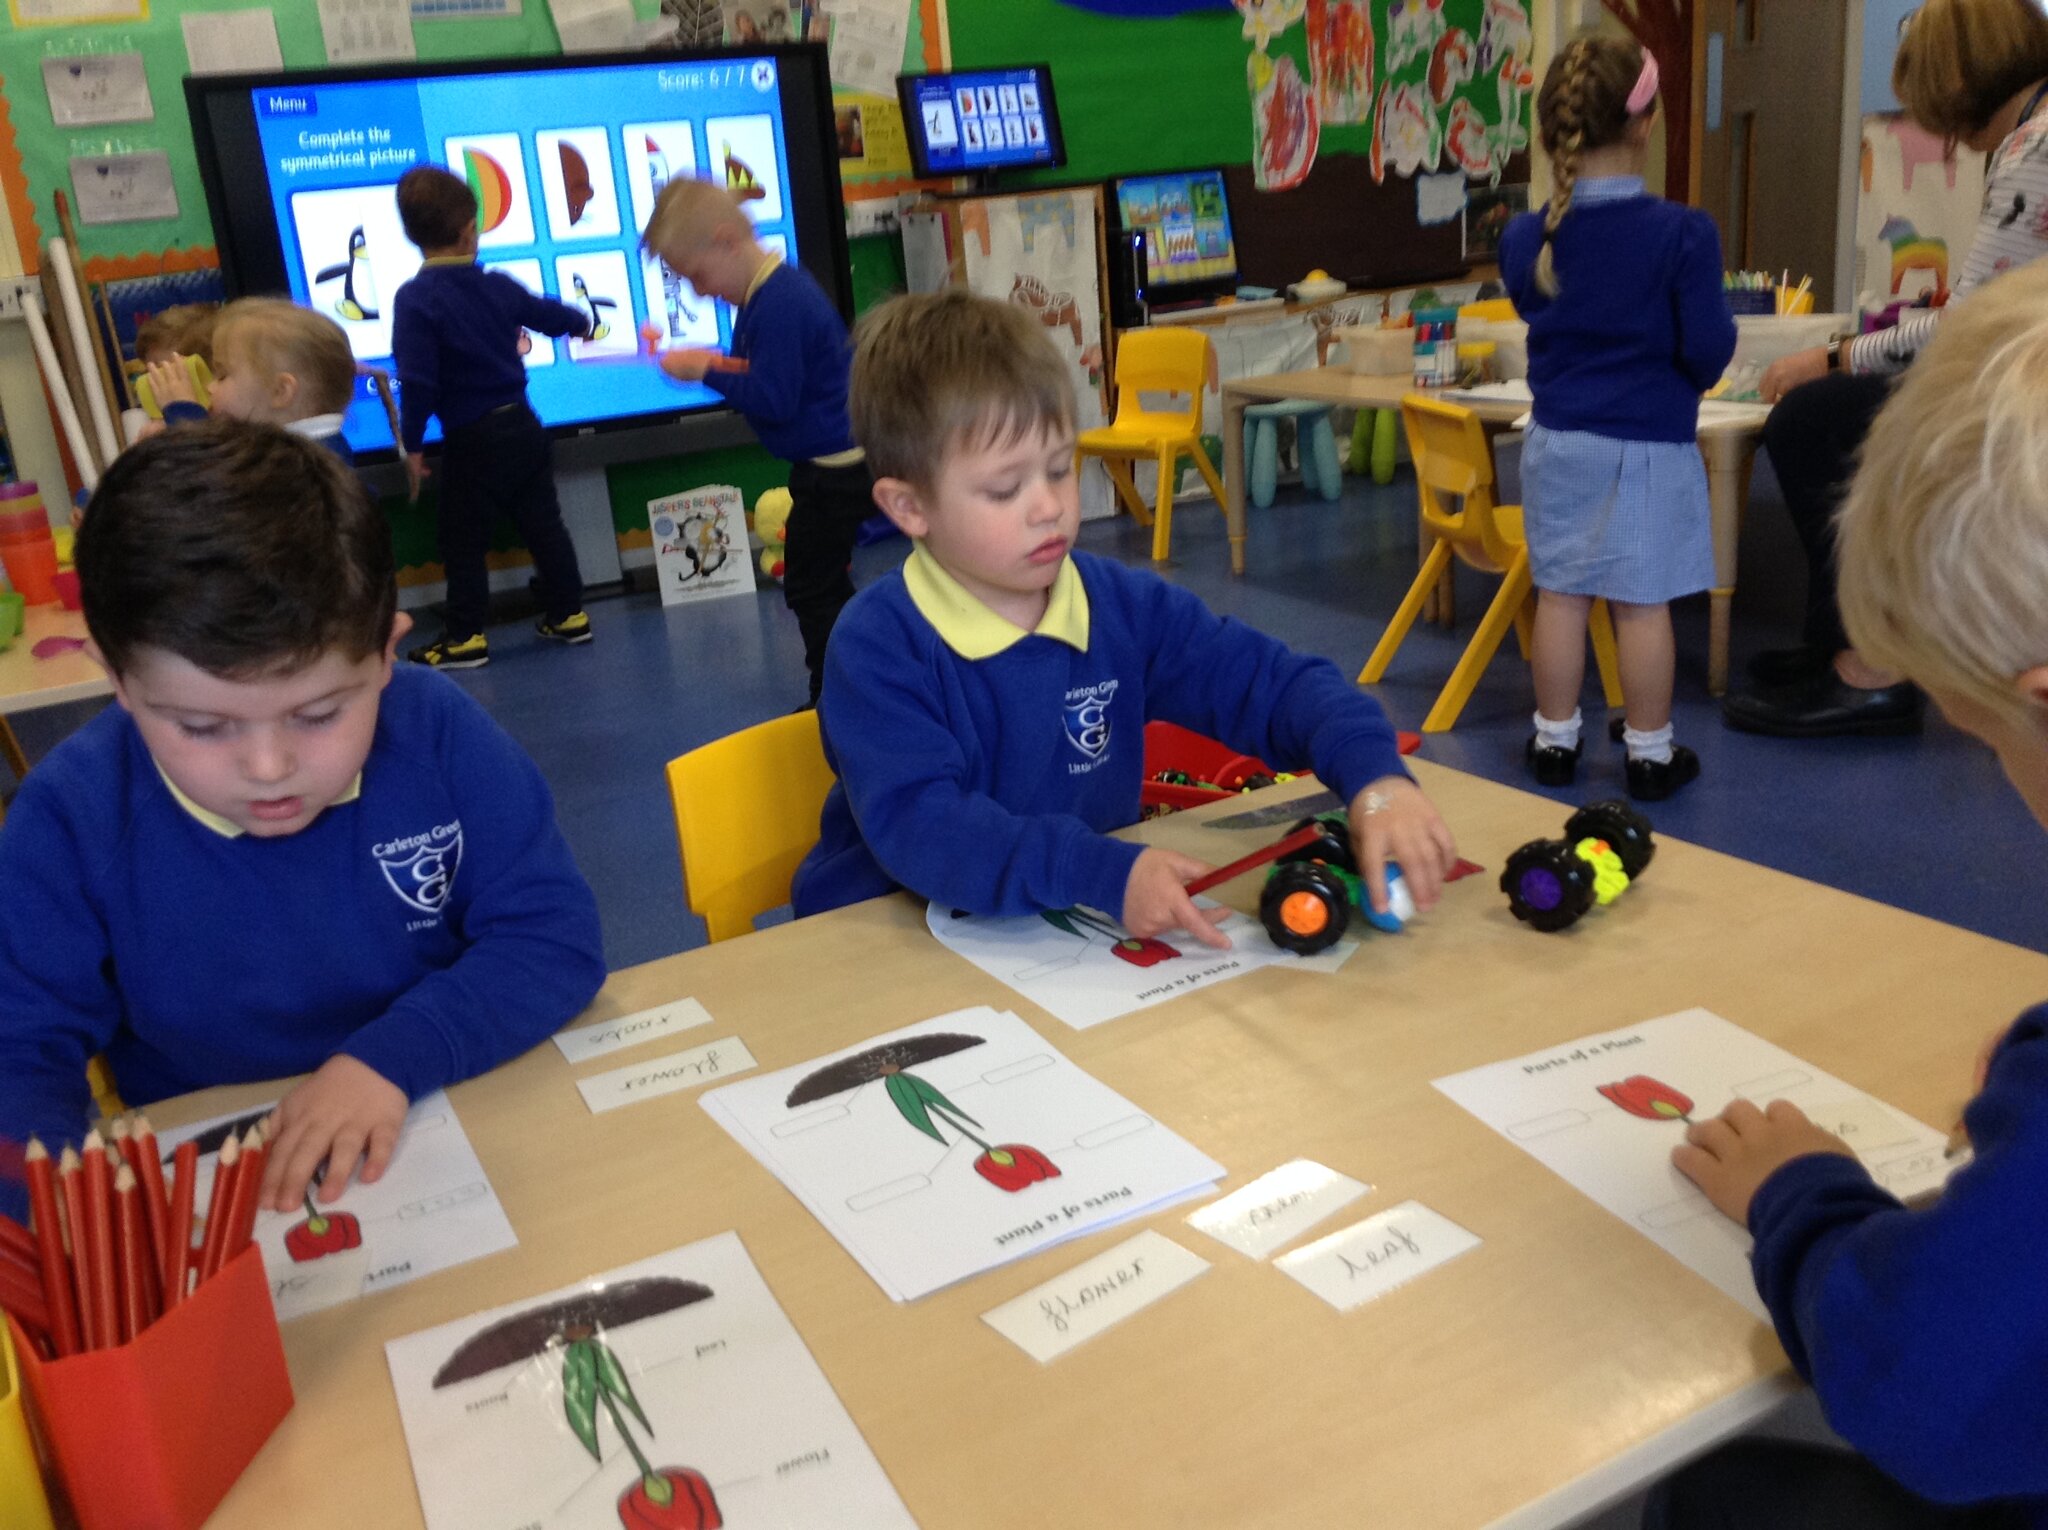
(2012, 230)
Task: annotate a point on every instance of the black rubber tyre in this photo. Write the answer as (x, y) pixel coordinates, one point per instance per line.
(1332, 845)
(1305, 907)
(1626, 831)
(1548, 886)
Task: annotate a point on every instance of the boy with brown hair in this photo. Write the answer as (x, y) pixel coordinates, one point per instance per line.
(455, 331)
(985, 707)
(278, 854)
(1923, 1332)
(787, 377)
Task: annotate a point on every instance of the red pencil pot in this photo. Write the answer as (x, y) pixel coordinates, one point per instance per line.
(150, 1436)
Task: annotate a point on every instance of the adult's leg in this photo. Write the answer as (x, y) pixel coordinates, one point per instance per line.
(1787, 1485)
(1812, 437)
(826, 509)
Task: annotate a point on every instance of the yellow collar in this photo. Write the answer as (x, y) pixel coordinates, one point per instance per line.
(972, 630)
(767, 270)
(449, 260)
(222, 826)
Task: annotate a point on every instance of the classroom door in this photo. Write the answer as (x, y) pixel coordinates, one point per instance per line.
(1770, 91)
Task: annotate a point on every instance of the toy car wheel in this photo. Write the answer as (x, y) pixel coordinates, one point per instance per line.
(1548, 886)
(1305, 907)
(1626, 832)
(1332, 844)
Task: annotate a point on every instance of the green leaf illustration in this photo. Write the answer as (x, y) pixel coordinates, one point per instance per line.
(938, 1101)
(579, 1393)
(904, 1091)
(1061, 919)
(612, 1377)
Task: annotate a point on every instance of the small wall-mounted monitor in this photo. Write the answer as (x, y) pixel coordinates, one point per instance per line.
(981, 121)
(1190, 251)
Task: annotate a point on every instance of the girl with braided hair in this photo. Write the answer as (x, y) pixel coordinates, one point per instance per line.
(1627, 327)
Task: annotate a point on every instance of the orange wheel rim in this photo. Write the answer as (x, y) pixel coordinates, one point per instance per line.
(1304, 913)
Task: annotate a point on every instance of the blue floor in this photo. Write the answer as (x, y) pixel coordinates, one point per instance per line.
(1927, 823)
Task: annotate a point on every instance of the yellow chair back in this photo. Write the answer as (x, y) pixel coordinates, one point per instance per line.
(1161, 361)
(1452, 458)
(746, 811)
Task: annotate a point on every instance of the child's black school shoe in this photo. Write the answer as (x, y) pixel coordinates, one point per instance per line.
(472, 652)
(1551, 766)
(570, 629)
(1654, 780)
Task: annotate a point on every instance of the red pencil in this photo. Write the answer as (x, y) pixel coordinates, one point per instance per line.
(178, 1252)
(217, 1203)
(131, 1242)
(22, 1295)
(17, 1243)
(56, 1270)
(71, 1190)
(99, 1241)
(248, 1191)
(156, 1207)
(117, 1141)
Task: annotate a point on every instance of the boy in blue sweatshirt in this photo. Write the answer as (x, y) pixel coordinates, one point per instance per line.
(985, 707)
(787, 376)
(1924, 1333)
(278, 854)
(455, 344)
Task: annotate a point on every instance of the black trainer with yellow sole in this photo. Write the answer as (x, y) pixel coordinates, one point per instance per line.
(570, 629)
(472, 652)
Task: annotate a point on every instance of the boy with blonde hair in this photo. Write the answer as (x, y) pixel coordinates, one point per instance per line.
(787, 377)
(985, 708)
(1923, 1332)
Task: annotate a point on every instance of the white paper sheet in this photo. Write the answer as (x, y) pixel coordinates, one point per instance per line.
(231, 42)
(726, 1402)
(1368, 1259)
(580, 1043)
(465, 10)
(1086, 969)
(43, 13)
(1073, 1307)
(87, 88)
(868, 38)
(365, 31)
(666, 1075)
(123, 188)
(1616, 1148)
(592, 26)
(1277, 1207)
(1019, 1149)
(433, 1209)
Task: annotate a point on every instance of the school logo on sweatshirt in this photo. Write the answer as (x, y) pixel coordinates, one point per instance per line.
(421, 867)
(1087, 721)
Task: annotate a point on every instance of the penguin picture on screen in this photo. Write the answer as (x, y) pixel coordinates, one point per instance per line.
(358, 300)
(590, 307)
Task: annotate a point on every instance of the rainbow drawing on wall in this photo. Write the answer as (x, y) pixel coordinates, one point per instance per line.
(493, 188)
(1913, 251)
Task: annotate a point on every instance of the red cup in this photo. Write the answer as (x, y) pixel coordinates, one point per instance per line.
(31, 567)
(65, 582)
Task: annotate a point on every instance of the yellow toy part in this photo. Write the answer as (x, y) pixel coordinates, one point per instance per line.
(202, 387)
(1610, 881)
(771, 524)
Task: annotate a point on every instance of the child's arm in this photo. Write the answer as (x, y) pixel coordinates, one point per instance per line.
(545, 315)
(533, 957)
(416, 359)
(58, 1005)
(1923, 1332)
(770, 389)
(1706, 329)
(1519, 242)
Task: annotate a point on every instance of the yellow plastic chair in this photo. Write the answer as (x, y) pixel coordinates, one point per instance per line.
(1170, 361)
(747, 810)
(1452, 458)
(1493, 310)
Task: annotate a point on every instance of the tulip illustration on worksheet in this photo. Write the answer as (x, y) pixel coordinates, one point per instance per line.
(592, 1379)
(1641, 1095)
(1008, 1166)
(321, 1234)
(1139, 951)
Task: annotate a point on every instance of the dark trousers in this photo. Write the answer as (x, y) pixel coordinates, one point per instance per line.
(502, 464)
(1813, 437)
(826, 508)
(1783, 1485)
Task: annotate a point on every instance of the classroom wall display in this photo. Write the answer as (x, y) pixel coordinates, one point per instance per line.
(671, 1392)
(1916, 211)
(536, 350)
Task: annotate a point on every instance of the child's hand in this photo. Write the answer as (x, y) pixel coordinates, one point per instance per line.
(687, 363)
(171, 382)
(1391, 820)
(415, 475)
(1156, 898)
(1730, 1156)
(344, 1111)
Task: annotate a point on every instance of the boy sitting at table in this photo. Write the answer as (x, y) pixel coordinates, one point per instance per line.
(276, 855)
(985, 707)
(1923, 1332)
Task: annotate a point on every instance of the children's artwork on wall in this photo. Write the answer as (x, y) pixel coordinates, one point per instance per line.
(1413, 28)
(1285, 127)
(742, 157)
(1340, 55)
(125, 187)
(671, 1392)
(577, 183)
(1917, 205)
(1147, 10)
(1488, 211)
(1604, 1112)
(433, 1209)
(356, 256)
(597, 284)
(535, 350)
(1407, 135)
(953, 1146)
(495, 167)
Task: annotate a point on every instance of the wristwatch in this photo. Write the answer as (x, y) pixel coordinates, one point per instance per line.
(1836, 350)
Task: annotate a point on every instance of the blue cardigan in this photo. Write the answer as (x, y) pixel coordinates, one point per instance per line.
(1639, 328)
(455, 343)
(793, 392)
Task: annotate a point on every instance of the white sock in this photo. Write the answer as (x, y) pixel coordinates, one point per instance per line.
(1557, 735)
(1653, 745)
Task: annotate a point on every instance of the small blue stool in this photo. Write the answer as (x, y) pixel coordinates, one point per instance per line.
(1315, 442)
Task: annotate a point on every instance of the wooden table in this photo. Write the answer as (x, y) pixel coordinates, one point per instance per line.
(1561, 1362)
(1728, 445)
(27, 682)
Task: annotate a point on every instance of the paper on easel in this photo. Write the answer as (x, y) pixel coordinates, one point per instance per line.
(700, 545)
(86, 88)
(366, 31)
(231, 42)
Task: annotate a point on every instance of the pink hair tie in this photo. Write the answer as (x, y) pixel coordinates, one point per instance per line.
(1644, 95)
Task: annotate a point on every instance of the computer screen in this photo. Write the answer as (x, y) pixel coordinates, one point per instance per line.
(1185, 218)
(980, 121)
(566, 158)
